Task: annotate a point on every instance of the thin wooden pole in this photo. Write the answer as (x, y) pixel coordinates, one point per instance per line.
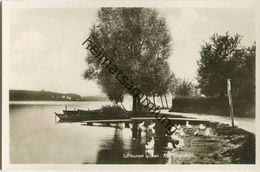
(162, 102)
(123, 106)
(166, 101)
(65, 109)
(230, 102)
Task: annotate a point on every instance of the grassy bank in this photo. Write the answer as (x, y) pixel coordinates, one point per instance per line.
(216, 106)
(224, 146)
(240, 145)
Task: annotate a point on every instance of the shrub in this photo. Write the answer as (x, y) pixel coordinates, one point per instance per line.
(217, 106)
(113, 111)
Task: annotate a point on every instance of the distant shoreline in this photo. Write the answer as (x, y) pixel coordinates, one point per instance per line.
(31, 95)
(61, 103)
(58, 101)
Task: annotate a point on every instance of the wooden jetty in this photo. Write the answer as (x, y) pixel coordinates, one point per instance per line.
(107, 122)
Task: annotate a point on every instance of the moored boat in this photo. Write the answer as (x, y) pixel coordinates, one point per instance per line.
(77, 115)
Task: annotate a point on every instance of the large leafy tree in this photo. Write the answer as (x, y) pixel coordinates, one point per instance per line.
(222, 58)
(136, 39)
(166, 78)
(245, 81)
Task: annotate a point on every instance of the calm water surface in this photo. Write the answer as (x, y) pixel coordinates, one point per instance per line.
(36, 138)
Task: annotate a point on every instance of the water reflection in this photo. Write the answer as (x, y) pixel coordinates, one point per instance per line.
(35, 138)
(123, 149)
(112, 150)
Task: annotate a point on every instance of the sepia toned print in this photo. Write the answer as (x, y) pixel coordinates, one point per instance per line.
(131, 85)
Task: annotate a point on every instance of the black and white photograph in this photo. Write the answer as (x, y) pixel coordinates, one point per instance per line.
(129, 84)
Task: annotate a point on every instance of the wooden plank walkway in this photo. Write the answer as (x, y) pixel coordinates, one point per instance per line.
(170, 118)
(107, 121)
(141, 119)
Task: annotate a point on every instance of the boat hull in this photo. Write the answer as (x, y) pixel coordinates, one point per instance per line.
(79, 116)
(83, 115)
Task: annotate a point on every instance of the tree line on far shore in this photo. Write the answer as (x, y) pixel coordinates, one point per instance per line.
(29, 95)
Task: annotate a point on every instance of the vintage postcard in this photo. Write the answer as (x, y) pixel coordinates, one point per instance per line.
(158, 84)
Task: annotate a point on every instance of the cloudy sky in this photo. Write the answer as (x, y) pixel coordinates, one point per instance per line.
(46, 51)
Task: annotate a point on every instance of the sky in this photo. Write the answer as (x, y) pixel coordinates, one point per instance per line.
(46, 51)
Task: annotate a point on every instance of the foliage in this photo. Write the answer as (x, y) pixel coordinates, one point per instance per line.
(138, 41)
(216, 106)
(113, 110)
(245, 81)
(166, 80)
(183, 87)
(224, 58)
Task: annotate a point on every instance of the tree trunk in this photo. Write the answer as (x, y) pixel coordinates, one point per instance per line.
(123, 106)
(135, 112)
(139, 106)
(135, 129)
(134, 107)
(162, 102)
(154, 100)
(166, 100)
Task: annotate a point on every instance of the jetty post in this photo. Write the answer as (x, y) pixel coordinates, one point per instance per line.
(134, 129)
(230, 102)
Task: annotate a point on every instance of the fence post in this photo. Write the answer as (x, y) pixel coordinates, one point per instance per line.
(230, 102)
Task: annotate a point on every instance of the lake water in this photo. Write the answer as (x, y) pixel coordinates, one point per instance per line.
(36, 138)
